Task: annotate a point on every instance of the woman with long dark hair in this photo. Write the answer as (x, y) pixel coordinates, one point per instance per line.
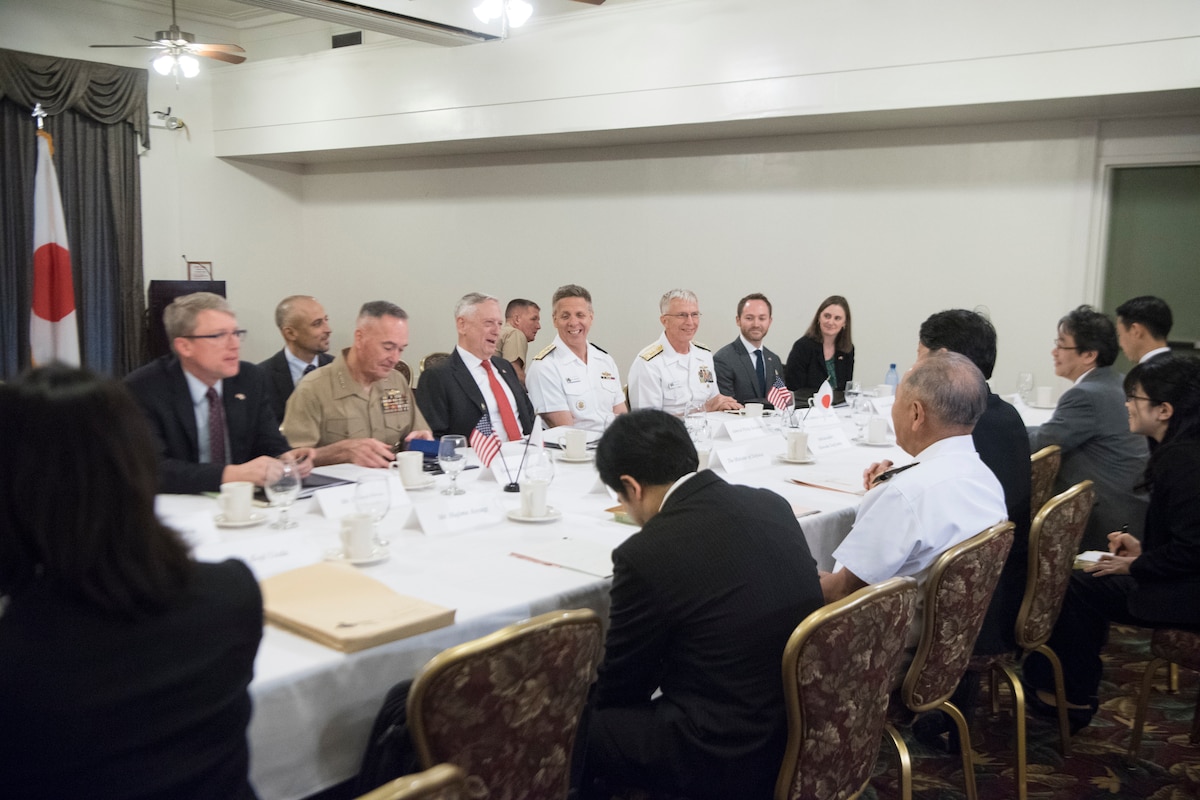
(826, 350)
(124, 665)
(1154, 582)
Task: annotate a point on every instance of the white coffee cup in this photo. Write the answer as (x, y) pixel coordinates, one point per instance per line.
(877, 430)
(533, 497)
(1043, 396)
(703, 454)
(884, 390)
(411, 466)
(358, 536)
(236, 500)
(753, 409)
(797, 445)
(575, 443)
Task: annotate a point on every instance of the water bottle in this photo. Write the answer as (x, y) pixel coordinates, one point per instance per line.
(892, 378)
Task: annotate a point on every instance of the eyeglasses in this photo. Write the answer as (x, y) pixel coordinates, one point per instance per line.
(1058, 345)
(222, 337)
(1129, 398)
(684, 316)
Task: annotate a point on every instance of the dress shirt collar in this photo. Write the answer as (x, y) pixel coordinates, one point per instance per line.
(296, 366)
(1084, 375)
(670, 353)
(751, 348)
(562, 351)
(198, 389)
(472, 361)
(951, 445)
(1155, 352)
(675, 486)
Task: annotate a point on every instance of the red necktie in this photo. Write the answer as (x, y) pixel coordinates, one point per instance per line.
(216, 428)
(506, 413)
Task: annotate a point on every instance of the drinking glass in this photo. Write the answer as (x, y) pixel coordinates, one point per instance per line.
(696, 422)
(853, 390)
(1024, 386)
(373, 496)
(861, 413)
(282, 488)
(452, 458)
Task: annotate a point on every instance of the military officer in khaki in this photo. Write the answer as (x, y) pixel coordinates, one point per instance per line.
(522, 321)
(357, 408)
(676, 374)
(572, 381)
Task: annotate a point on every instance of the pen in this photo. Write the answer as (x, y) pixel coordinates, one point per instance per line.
(885, 476)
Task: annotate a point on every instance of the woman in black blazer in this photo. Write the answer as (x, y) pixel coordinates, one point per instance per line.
(1154, 582)
(124, 665)
(825, 352)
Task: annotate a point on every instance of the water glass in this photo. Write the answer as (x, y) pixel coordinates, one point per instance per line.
(452, 458)
(373, 497)
(282, 488)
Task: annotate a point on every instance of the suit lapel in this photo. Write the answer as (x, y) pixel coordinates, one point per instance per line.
(234, 401)
(182, 407)
(746, 365)
(466, 381)
(515, 387)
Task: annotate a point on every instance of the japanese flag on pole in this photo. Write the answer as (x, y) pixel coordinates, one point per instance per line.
(825, 396)
(53, 335)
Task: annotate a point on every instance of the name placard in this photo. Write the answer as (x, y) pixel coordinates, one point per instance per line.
(337, 501)
(827, 438)
(883, 407)
(740, 429)
(744, 457)
(455, 514)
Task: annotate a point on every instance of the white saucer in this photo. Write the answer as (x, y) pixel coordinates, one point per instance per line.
(1048, 407)
(416, 487)
(865, 443)
(563, 457)
(378, 555)
(256, 518)
(552, 515)
(805, 460)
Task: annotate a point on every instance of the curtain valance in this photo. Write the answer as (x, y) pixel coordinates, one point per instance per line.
(106, 93)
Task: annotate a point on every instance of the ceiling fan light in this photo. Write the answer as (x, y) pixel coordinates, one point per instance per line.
(189, 65)
(519, 12)
(164, 64)
(489, 10)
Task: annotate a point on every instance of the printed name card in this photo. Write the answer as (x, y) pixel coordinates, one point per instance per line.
(740, 429)
(744, 457)
(883, 408)
(827, 438)
(336, 501)
(455, 514)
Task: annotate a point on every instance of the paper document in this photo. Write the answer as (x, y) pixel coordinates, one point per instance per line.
(577, 554)
(831, 483)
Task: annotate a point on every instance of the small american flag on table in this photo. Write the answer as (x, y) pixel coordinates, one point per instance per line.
(484, 440)
(778, 395)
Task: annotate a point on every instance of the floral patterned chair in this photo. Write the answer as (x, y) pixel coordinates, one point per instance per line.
(505, 708)
(443, 782)
(838, 670)
(1044, 463)
(1177, 647)
(1053, 543)
(957, 594)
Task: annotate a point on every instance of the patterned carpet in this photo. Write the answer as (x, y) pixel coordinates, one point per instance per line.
(1169, 767)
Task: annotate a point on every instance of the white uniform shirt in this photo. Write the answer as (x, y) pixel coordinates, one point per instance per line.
(902, 526)
(558, 380)
(673, 382)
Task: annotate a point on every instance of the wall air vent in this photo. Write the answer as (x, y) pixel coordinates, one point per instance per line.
(432, 21)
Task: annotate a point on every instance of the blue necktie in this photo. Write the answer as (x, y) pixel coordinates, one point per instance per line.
(761, 371)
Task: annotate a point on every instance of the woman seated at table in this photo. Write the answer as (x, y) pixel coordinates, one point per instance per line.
(825, 352)
(1154, 582)
(124, 665)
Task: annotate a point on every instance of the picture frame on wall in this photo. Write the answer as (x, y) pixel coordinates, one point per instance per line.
(199, 270)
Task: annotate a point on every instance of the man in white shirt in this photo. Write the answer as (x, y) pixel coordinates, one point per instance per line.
(304, 325)
(907, 520)
(676, 374)
(1142, 327)
(475, 381)
(572, 381)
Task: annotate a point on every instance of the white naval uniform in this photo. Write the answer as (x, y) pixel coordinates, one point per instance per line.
(558, 380)
(674, 382)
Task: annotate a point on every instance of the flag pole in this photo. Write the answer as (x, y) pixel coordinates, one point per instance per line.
(39, 114)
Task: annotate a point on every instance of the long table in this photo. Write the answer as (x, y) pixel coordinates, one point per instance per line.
(313, 706)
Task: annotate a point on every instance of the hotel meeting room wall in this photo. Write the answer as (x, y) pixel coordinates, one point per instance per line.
(903, 221)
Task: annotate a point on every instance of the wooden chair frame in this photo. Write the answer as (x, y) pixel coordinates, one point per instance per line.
(441, 778)
(1044, 465)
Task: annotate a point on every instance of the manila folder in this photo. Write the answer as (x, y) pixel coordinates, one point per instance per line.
(342, 608)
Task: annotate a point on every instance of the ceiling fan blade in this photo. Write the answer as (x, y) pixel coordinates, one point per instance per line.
(228, 58)
(218, 48)
(155, 46)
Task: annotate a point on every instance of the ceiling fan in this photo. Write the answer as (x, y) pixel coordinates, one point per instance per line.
(178, 47)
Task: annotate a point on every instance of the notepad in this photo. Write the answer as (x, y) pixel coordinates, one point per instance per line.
(575, 554)
(831, 483)
(342, 608)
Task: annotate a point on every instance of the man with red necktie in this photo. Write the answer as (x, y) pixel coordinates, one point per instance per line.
(475, 381)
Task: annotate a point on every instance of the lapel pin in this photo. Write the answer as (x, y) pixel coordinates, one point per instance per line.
(240, 396)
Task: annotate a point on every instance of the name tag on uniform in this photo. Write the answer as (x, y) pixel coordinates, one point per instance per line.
(574, 380)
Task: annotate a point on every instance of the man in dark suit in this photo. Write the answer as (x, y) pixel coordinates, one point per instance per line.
(1142, 327)
(210, 411)
(304, 325)
(704, 599)
(474, 381)
(746, 370)
(1091, 424)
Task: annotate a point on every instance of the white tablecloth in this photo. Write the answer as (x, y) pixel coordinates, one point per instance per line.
(313, 706)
